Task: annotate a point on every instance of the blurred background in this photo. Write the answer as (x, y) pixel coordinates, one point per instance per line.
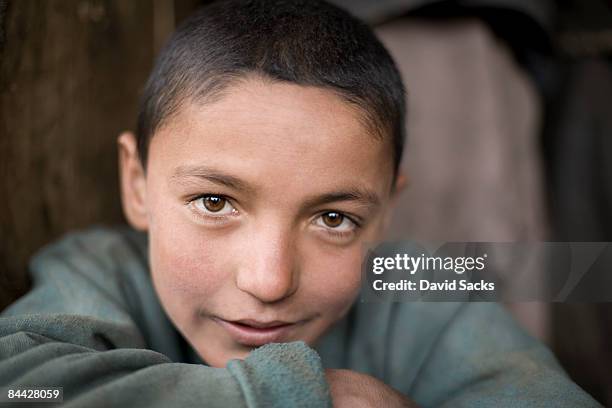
(509, 130)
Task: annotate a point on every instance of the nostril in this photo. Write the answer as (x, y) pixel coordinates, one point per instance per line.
(269, 270)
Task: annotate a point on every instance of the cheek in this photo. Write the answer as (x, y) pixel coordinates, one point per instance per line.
(335, 279)
(334, 275)
(186, 266)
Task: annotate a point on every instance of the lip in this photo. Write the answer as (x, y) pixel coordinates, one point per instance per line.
(254, 333)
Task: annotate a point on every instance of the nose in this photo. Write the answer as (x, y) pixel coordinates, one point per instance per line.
(269, 267)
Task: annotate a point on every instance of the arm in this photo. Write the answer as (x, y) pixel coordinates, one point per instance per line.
(75, 330)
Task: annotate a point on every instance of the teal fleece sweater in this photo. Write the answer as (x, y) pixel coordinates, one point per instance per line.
(93, 324)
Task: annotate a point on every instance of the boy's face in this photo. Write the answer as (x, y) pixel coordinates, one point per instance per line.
(256, 206)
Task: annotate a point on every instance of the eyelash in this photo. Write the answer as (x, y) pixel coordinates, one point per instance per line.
(341, 234)
(336, 233)
(210, 217)
(222, 218)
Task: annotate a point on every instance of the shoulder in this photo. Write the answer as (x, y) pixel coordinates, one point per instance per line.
(86, 286)
(403, 341)
(93, 272)
(104, 245)
(472, 353)
(99, 255)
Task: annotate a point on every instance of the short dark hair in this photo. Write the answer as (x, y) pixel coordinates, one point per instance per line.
(306, 42)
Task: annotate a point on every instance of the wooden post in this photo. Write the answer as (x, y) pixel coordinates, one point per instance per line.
(70, 76)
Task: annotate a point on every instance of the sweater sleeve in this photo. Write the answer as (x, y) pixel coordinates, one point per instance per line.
(79, 329)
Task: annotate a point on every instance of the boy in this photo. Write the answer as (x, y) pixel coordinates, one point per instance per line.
(268, 149)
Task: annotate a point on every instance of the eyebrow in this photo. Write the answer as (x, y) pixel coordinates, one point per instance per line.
(358, 195)
(212, 175)
(355, 194)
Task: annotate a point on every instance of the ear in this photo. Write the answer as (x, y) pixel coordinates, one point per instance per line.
(401, 182)
(132, 181)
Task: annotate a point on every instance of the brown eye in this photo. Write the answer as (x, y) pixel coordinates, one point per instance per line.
(213, 206)
(333, 219)
(214, 203)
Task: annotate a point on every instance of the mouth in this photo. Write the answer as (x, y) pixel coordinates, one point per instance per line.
(253, 333)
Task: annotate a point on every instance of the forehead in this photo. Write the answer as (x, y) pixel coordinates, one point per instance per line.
(261, 129)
